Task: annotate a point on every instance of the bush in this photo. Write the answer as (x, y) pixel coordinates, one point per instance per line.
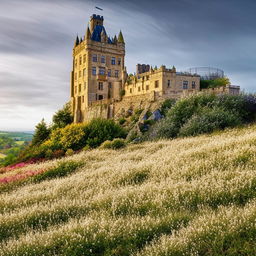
(121, 121)
(208, 121)
(73, 136)
(114, 144)
(100, 130)
(166, 105)
(69, 152)
(204, 113)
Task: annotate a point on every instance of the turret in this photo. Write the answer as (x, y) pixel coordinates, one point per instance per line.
(96, 20)
(120, 38)
(76, 41)
(115, 40)
(88, 33)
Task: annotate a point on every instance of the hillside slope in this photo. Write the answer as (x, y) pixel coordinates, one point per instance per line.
(192, 196)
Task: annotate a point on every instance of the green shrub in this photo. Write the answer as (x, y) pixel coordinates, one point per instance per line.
(166, 105)
(208, 121)
(114, 144)
(69, 152)
(202, 114)
(73, 136)
(63, 169)
(121, 121)
(100, 130)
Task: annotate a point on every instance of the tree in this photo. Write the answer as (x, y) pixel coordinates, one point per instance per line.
(62, 117)
(41, 133)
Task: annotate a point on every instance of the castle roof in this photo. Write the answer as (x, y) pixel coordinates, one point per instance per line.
(96, 34)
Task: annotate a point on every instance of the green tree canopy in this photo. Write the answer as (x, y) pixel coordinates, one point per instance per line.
(62, 117)
(41, 133)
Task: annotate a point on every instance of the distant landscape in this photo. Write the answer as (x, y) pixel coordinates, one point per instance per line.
(11, 143)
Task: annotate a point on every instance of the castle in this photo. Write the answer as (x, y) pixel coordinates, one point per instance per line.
(100, 85)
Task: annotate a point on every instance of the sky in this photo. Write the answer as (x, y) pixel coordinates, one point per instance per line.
(37, 37)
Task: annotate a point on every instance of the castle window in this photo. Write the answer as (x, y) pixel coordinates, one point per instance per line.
(84, 58)
(109, 73)
(116, 73)
(84, 72)
(139, 89)
(113, 61)
(102, 71)
(80, 73)
(94, 71)
(193, 84)
(169, 83)
(75, 62)
(94, 58)
(147, 77)
(83, 99)
(119, 61)
(147, 87)
(100, 97)
(75, 76)
(103, 59)
(156, 84)
(185, 85)
(130, 90)
(109, 85)
(100, 86)
(80, 87)
(80, 60)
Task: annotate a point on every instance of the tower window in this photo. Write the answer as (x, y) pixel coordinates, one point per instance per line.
(80, 60)
(113, 61)
(102, 71)
(75, 76)
(100, 97)
(130, 90)
(100, 86)
(84, 72)
(80, 73)
(139, 89)
(109, 85)
(119, 61)
(116, 73)
(147, 87)
(156, 84)
(103, 59)
(80, 87)
(185, 85)
(109, 73)
(84, 58)
(94, 71)
(169, 83)
(193, 84)
(82, 99)
(75, 62)
(94, 58)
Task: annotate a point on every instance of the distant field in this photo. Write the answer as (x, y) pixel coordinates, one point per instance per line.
(20, 142)
(2, 155)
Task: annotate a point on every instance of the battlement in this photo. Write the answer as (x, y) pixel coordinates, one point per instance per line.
(97, 17)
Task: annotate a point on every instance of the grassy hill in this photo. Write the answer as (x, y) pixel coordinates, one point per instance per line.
(192, 196)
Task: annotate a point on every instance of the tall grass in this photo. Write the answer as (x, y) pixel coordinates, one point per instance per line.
(191, 196)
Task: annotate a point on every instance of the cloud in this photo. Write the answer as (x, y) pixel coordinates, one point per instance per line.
(36, 40)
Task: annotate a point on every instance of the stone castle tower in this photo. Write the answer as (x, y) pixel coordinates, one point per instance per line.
(98, 71)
